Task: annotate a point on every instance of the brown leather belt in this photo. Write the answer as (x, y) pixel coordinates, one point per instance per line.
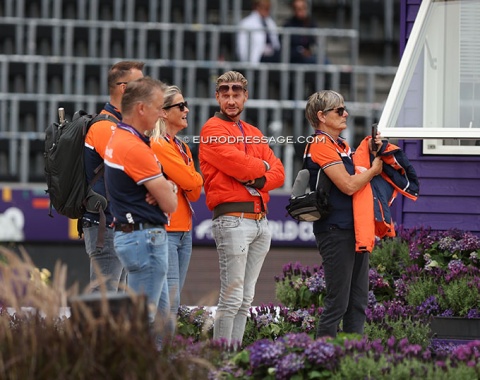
(236, 208)
(248, 215)
(130, 227)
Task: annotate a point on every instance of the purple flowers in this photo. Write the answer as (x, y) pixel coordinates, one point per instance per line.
(414, 277)
(322, 354)
(265, 353)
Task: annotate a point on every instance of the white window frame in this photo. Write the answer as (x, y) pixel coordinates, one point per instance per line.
(440, 70)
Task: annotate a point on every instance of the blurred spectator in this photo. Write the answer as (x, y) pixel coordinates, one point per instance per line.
(302, 48)
(257, 39)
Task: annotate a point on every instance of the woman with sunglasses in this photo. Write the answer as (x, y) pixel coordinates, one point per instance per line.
(178, 166)
(346, 268)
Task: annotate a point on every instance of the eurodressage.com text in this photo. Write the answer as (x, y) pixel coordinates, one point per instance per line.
(271, 140)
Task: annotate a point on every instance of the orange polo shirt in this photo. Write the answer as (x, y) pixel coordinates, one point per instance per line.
(188, 180)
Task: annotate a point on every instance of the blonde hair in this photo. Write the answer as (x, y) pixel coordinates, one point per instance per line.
(161, 127)
(231, 76)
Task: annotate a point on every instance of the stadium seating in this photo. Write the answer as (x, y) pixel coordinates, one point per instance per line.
(56, 53)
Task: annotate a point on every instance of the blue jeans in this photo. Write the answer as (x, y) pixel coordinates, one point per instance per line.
(346, 282)
(104, 263)
(179, 253)
(144, 254)
(242, 246)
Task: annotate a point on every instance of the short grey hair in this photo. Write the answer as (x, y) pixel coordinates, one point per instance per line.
(140, 90)
(321, 101)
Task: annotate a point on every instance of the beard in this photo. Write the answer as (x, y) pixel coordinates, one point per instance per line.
(231, 112)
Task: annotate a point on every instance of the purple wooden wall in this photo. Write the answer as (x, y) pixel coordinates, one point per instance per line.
(449, 185)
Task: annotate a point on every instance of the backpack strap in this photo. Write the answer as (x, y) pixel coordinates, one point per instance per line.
(99, 171)
(323, 181)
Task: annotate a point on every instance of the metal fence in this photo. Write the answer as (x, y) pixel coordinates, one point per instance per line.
(151, 40)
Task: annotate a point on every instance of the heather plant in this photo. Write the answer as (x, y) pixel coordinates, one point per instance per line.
(298, 356)
(390, 257)
(438, 248)
(407, 285)
(300, 287)
(272, 322)
(195, 323)
(414, 329)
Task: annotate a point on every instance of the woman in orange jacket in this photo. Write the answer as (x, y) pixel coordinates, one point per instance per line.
(178, 166)
(346, 268)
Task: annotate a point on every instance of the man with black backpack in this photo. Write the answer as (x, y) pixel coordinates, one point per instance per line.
(104, 263)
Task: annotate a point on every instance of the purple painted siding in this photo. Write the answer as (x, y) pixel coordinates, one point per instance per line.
(449, 185)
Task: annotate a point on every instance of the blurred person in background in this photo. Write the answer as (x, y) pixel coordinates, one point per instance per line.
(302, 47)
(257, 38)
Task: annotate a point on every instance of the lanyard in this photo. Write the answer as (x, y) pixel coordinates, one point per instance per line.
(187, 161)
(184, 154)
(133, 131)
(239, 123)
(339, 144)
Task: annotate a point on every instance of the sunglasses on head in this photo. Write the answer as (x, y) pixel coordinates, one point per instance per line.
(224, 88)
(180, 105)
(339, 110)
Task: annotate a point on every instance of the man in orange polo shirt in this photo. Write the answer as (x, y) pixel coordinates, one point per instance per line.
(239, 169)
(104, 263)
(131, 172)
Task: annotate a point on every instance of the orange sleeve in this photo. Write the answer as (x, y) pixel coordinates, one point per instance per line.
(275, 177)
(174, 167)
(99, 134)
(324, 153)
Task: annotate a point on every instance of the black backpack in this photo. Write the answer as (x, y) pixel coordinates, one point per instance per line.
(313, 205)
(67, 186)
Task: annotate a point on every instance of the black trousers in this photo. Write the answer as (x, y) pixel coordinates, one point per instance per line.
(346, 281)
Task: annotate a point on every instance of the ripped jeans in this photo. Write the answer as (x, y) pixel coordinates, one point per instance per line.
(242, 245)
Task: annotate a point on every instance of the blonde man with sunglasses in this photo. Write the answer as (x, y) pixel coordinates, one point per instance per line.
(239, 169)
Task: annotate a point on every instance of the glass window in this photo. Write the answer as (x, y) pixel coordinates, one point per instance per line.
(435, 95)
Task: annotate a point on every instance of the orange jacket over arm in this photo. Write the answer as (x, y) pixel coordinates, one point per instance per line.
(371, 204)
(229, 157)
(188, 180)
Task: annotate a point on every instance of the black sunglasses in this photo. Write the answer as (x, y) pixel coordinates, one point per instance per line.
(339, 110)
(180, 105)
(119, 83)
(236, 88)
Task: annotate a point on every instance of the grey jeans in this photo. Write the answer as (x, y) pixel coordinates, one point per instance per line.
(104, 262)
(242, 246)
